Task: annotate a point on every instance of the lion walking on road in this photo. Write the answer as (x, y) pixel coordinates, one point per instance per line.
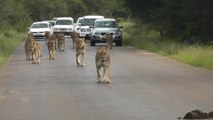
(36, 48)
(52, 47)
(28, 44)
(102, 60)
(74, 37)
(61, 41)
(80, 51)
(109, 40)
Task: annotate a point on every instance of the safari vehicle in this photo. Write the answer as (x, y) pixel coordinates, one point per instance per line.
(88, 21)
(38, 29)
(104, 26)
(64, 25)
(52, 22)
(78, 25)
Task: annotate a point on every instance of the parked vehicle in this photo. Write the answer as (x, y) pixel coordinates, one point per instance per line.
(64, 25)
(52, 22)
(87, 22)
(78, 25)
(38, 29)
(104, 26)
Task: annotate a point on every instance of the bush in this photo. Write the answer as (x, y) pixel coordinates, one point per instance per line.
(8, 43)
(144, 37)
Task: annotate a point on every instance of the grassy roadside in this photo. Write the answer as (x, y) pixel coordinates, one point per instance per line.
(146, 38)
(9, 40)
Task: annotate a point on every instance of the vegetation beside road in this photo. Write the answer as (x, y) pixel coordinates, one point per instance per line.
(147, 38)
(9, 40)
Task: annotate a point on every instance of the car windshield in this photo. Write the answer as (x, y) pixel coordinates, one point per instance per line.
(63, 22)
(80, 21)
(88, 22)
(52, 23)
(40, 25)
(106, 24)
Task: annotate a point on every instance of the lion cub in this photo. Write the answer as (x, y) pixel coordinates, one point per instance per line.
(109, 39)
(102, 60)
(52, 47)
(36, 48)
(80, 51)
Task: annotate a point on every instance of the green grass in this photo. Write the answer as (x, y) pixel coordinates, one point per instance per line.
(196, 55)
(9, 40)
(144, 37)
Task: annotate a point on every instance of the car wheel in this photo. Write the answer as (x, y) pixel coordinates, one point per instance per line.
(92, 43)
(119, 43)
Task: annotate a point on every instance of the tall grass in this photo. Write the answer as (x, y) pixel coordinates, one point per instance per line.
(144, 37)
(196, 55)
(9, 40)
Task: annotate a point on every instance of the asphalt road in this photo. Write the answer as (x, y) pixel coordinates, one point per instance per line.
(145, 86)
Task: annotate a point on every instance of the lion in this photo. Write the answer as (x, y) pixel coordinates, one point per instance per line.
(36, 53)
(51, 47)
(29, 43)
(80, 51)
(102, 60)
(47, 36)
(109, 39)
(61, 41)
(74, 37)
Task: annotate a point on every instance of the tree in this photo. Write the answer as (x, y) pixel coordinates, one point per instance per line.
(175, 18)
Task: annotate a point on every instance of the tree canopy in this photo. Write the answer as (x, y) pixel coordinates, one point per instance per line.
(185, 18)
(20, 13)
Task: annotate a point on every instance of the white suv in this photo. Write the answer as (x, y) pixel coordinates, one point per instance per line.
(87, 22)
(78, 25)
(38, 29)
(64, 25)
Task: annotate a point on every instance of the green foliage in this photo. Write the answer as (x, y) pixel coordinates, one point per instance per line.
(196, 55)
(8, 42)
(147, 38)
(175, 18)
(19, 14)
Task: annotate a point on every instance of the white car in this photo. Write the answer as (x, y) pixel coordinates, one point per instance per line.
(87, 22)
(38, 29)
(78, 25)
(64, 25)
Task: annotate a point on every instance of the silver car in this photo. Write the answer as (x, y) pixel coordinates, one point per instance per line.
(103, 27)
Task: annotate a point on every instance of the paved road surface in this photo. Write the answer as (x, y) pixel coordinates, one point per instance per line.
(144, 86)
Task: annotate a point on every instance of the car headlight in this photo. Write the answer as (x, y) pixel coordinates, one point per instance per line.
(118, 33)
(78, 28)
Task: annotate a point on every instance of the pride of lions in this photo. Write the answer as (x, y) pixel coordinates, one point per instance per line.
(57, 41)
